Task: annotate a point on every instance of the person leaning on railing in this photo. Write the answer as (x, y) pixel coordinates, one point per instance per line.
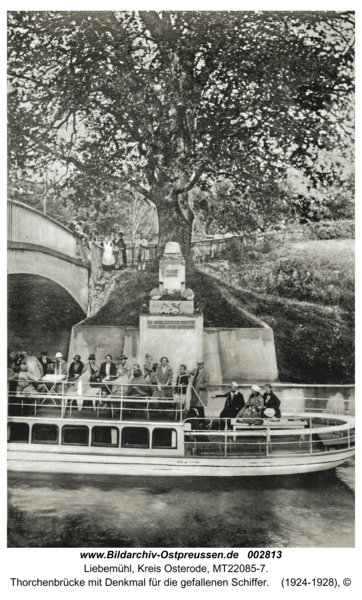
(200, 382)
(234, 403)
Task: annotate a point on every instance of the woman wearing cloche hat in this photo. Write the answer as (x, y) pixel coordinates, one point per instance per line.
(254, 405)
(76, 368)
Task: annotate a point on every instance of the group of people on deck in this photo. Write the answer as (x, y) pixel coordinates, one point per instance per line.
(25, 370)
(257, 405)
(156, 380)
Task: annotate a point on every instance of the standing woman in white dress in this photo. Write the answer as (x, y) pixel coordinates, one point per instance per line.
(143, 253)
(108, 259)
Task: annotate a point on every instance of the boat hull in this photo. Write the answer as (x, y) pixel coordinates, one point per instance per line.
(48, 462)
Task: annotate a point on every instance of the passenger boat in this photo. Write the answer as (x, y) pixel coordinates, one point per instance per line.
(76, 430)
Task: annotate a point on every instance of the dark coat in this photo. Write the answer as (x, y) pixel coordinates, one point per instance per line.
(45, 364)
(112, 372)
(138, 388)
(273, 402)
(72, 373)
(181, 384)
(232, 405)
(200, 383)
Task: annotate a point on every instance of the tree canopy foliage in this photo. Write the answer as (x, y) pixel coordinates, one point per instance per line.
(161, 102)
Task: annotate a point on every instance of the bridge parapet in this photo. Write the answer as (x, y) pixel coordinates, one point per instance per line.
(28, 225)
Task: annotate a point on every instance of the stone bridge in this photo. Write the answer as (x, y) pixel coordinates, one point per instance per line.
(39, 245)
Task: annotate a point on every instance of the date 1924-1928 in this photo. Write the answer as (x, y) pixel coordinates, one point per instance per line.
(316, 582)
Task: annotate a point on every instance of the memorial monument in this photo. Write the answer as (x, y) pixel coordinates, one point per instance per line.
(172, 328)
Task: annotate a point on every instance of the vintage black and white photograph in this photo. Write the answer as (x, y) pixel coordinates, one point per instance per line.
(181, 279)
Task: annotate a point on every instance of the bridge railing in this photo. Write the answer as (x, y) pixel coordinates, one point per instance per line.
(28, 225)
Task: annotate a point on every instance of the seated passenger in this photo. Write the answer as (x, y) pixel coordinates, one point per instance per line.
(108, 369)
(271, 401)
(234, 402)
(123, 365)
(137, 388)
(25, 380)
(45, 361)
(34, 366)
(92, 367)
(76, 368)
(254, 405)
(123, 380)
(60, 365)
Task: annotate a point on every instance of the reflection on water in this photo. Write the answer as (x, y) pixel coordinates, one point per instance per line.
(314, 510)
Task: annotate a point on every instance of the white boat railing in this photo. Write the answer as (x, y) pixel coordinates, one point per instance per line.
(115, 396)
(309, 439)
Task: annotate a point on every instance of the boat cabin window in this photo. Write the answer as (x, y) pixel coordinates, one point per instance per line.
(135, 437)
(105, 436)
(44, 433)
(75, 435)
(164, 438)
(18, 432)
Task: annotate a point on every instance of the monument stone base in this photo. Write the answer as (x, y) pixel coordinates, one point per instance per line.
(180, 338)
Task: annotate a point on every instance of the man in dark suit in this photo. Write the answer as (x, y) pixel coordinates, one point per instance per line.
(45, 361)
(107, 372)
(121, 244)
(233, 404)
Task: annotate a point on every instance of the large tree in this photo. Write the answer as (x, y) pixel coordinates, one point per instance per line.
(163, 101)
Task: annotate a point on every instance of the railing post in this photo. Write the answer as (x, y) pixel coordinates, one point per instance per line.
(226, 439)
(267, 437)
(348, 436)
(310, 437)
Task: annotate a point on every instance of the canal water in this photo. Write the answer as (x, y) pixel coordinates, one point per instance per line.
(298, 511)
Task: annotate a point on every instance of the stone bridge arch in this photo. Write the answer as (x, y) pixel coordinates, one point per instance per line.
(39, 245)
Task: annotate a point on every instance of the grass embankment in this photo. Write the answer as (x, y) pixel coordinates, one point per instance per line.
(131, 290)
(314, 339)
(319, 271)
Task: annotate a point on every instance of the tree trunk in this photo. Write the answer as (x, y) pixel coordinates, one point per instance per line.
(175, 219)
